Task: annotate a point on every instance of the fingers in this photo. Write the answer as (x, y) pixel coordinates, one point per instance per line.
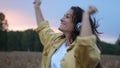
(92, 10)
(37, 2)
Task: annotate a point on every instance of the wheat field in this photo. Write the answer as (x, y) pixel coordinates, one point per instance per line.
(110, 61)
(33, 60)
(20, 60)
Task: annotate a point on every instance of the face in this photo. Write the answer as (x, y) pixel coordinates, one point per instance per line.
(66, 22)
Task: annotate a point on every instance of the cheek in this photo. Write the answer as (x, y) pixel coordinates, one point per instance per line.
(71, 27)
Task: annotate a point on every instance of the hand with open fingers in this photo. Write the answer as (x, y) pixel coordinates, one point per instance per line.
(92, 10)
(37, 2)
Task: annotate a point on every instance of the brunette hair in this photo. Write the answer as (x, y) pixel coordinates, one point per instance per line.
(77, 18)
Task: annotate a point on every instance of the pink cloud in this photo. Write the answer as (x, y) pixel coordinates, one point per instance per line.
(18, 20)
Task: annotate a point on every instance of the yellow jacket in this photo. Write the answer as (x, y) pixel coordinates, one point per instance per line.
(82, 53)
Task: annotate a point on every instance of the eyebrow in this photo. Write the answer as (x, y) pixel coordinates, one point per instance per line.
(69, 14)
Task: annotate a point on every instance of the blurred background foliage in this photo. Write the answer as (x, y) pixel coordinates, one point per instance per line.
(20, 41)
(28, 40)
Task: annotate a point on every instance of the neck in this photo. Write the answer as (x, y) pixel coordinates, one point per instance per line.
(68, 38)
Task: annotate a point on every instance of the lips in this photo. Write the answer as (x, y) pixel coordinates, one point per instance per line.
(62, 24)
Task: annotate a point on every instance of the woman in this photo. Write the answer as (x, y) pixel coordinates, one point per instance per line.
(74, 48)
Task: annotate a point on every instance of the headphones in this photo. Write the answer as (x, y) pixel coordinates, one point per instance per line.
(78, 26)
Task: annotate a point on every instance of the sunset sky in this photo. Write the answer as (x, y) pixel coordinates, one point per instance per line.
(21, 16)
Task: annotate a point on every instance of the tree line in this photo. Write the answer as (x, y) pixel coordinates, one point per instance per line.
(20, 41)
(28, 40)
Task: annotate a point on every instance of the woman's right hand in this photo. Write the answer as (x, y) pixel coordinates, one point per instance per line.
(37, 3)
(92, 10)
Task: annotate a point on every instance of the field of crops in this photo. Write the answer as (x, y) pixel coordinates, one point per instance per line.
(33, 60)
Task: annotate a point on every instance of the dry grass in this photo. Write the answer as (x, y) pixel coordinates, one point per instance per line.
(20, 60)
(33, 60)
(110, 61)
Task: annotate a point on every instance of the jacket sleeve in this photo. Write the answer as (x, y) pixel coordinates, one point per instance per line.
(86, 52)
(46, 34)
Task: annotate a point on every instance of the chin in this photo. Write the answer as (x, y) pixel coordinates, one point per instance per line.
(60, 29)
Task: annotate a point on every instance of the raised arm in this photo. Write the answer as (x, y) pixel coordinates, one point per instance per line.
(38, 12)
(86, 29)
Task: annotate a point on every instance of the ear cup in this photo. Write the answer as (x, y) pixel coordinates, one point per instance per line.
(78, 26)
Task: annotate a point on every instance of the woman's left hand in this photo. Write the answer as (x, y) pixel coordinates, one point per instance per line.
(37, 3)
(92, 10)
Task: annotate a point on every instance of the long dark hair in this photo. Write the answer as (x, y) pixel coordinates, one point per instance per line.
(77, 17)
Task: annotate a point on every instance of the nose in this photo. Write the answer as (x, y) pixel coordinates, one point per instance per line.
(62, 19)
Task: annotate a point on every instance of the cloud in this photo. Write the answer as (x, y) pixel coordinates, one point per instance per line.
(18, 20)
(109, 39)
